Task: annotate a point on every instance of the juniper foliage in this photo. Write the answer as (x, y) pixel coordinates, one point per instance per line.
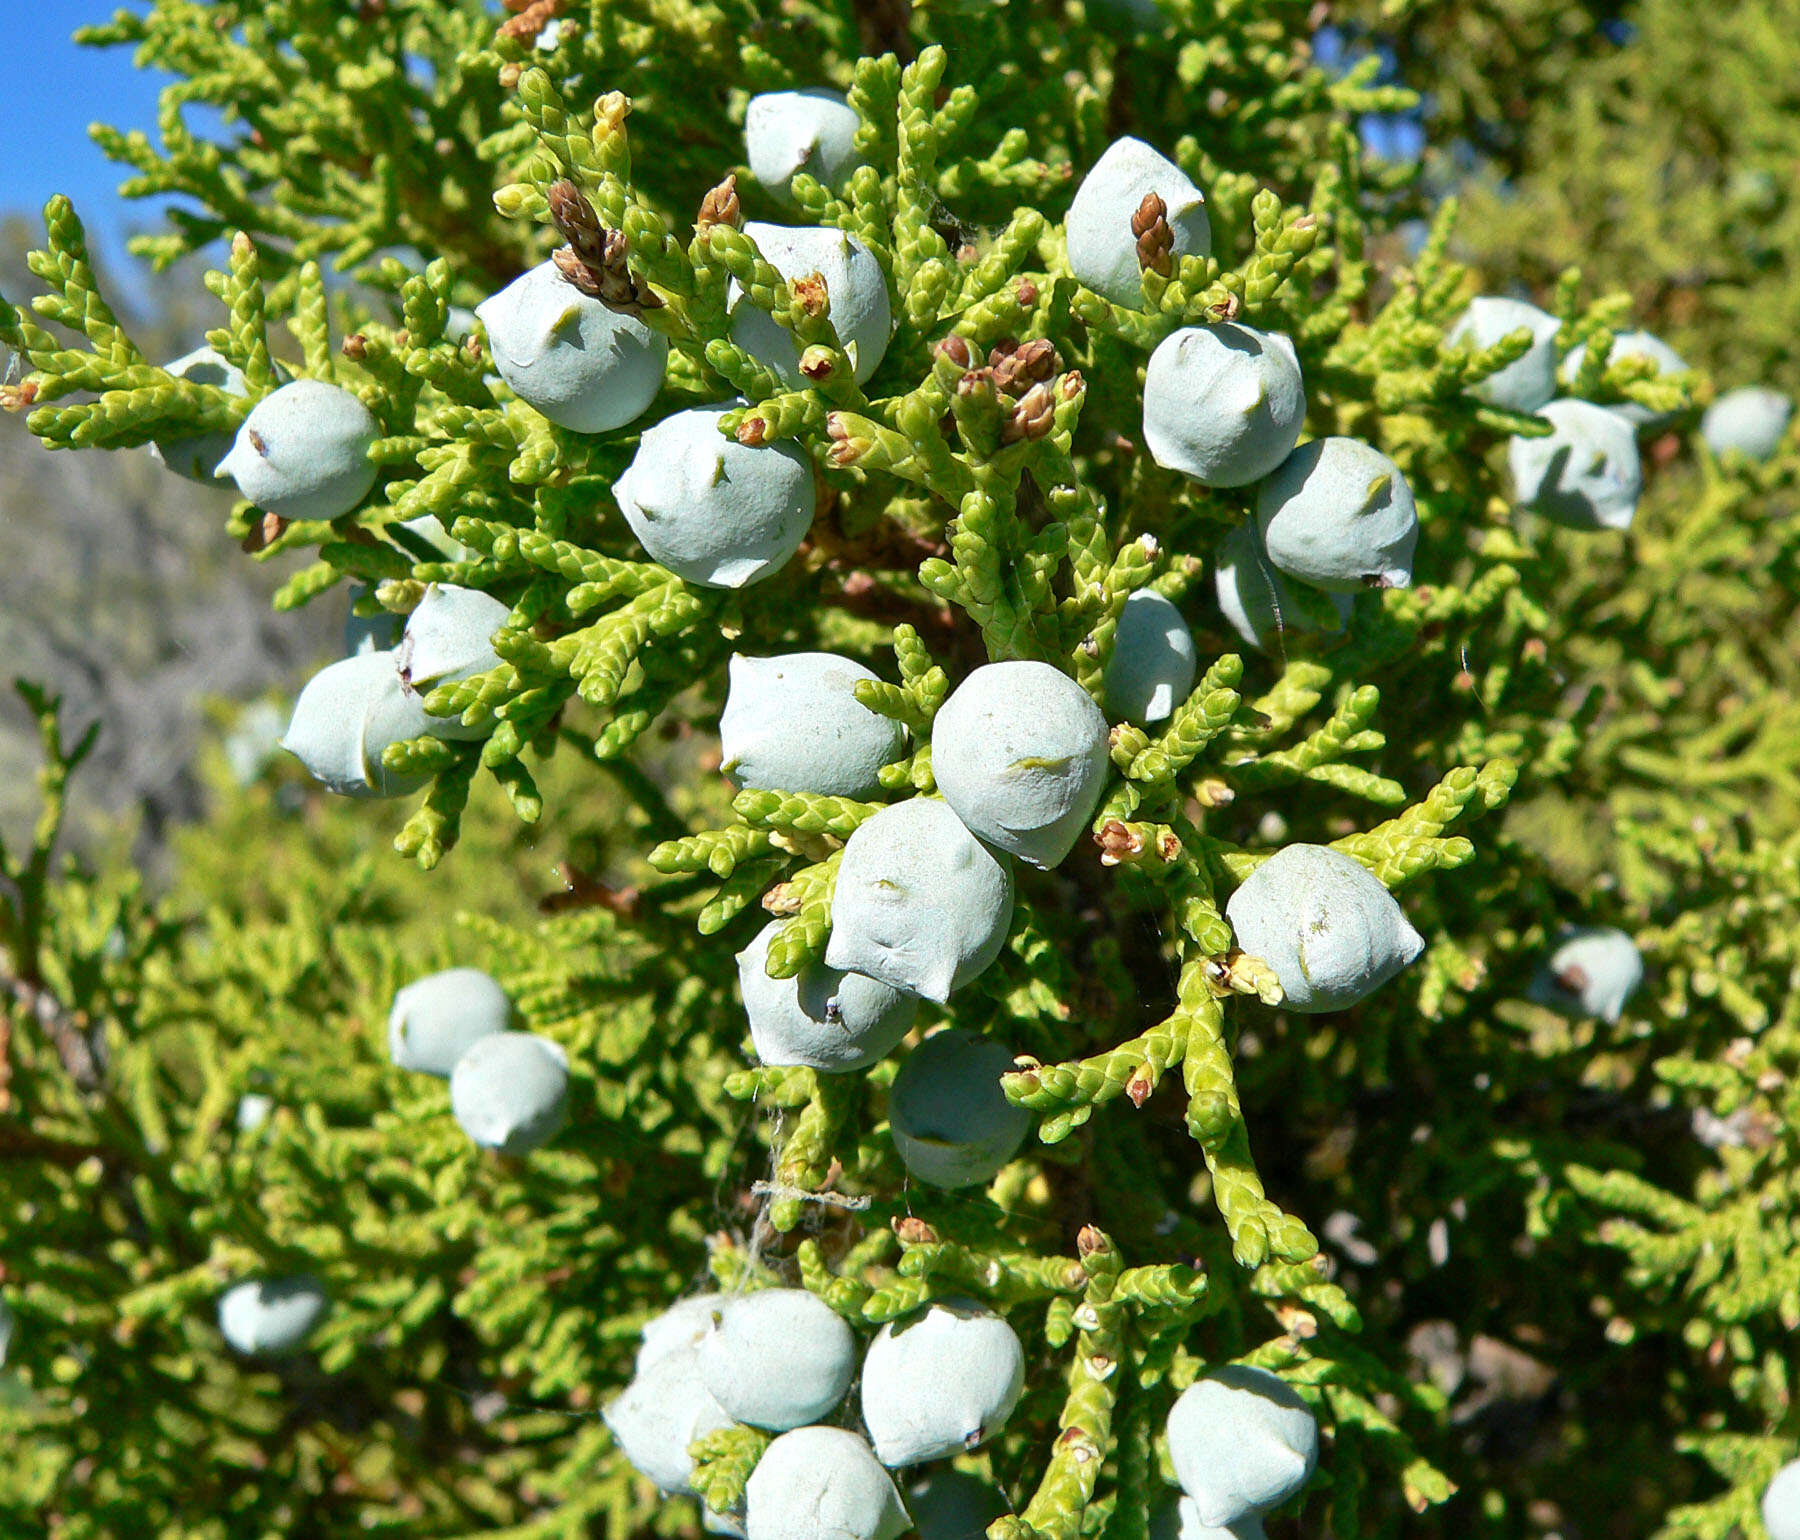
(1192, 1142)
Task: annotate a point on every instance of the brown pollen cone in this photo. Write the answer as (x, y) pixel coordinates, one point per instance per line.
(594, 260)
(1023, 365)
(1155, 239)
(577, 222)
(720, 206)
(1032, 417)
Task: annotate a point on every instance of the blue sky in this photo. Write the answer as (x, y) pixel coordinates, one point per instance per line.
(50, 91)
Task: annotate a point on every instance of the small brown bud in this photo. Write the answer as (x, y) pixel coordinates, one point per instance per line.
(1072, 385)
(264, 533)
(1155, 238)
(1118, 842)
(817, 363)
(1026, 293)
(783, 898)
(811, 294)
(751, 431)
(967, 255)
(1227, 309)
(956, 349)
(356, 347)
(720, 206)
(976, 383)
(845, 449)
(1090, 1241)
(15, 398)
(1535, 650)
(1032, 418)
(914, 1231)
(509, 75)
(1023, 364)
(1140, 1085)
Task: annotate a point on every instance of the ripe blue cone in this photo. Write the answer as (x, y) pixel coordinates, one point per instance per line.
(1633, 345)
(1242, 1442)
(682, 1325)
(1752, 420)
(1153, 662)
(1223, 404)
(1325, 924)
(861, 313)
(436, 1019)
(1102, 250)
(778, 1358)
(827, 1019)
(1528, 382)
(1338, 514)
(450, 638)
(585, 366)
(1586, 474)
(1781, 1503)
(1259, 603)
(1593, 971)
(793, 723)
(821, 1484)
(940, 1382)
(919, 903)
(303, 452)
(812, 130)
(347, 714)
(714, 511)
(1020, 753)
(660, 1413)
(510, 1091)
(198, 458)
(948, 1116)
(272, 1316)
